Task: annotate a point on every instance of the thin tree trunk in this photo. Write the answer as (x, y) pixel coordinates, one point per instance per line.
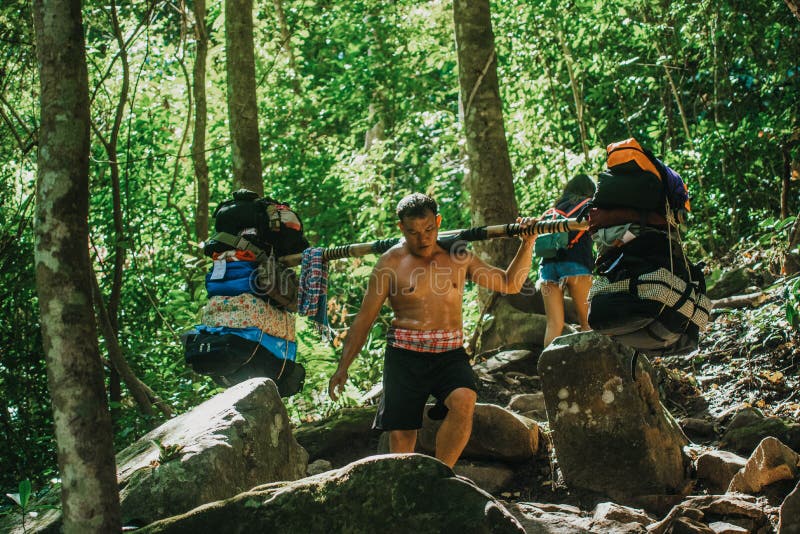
(489, 179)
(286, 37)
(786, 177)
(577, 93)
(143, 395)
(242, 105)
(89, 494)
(791, 260)
(794, 7)
(200, 120)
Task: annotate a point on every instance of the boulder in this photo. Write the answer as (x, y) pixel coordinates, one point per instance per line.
(318, 466)
(342, 438)
(538, 518)
(721, 527)
(530, 405)
(530, 300)
(611, 433)
(395, 493)
(772, 461)
(497, 434)
(698, 429)
(749, 426)
(730, 283)
(739, 510)
(716, 469)
(235, 440)
(789, 522)
(516, 330)
(492, 477)
(610, 511)
(523, 361)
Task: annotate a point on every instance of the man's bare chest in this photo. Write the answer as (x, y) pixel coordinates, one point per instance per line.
(420, 279)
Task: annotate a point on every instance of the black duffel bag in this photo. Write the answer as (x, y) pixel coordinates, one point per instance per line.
(645, 301)
(229, 359)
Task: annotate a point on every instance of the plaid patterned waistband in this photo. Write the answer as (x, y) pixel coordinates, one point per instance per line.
(425, 340)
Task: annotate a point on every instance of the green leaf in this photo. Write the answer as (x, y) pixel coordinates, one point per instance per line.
(14, 497)
(24, 492)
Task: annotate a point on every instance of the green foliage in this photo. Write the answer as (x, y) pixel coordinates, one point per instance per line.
(26, 503)
(728, 72)
(792, 306)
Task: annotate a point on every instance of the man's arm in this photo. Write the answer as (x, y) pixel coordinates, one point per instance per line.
(377, 290)
(507, 281)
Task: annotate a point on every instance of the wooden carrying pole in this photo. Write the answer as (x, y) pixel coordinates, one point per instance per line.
(479, 233)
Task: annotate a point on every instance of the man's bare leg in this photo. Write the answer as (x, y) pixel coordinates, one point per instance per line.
(456, 428)
(402, 440)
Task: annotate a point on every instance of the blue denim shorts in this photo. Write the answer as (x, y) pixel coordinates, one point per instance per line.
(559, 271)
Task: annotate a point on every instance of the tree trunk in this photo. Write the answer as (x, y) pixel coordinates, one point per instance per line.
(200, 119)
(488, 180)
(794, 7)
(90, 499)
(791, 260)
(242, 105)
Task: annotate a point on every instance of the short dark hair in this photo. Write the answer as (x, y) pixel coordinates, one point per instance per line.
(415, 205)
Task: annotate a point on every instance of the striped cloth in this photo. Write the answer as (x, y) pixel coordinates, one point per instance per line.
(312, 293)
(425, 340)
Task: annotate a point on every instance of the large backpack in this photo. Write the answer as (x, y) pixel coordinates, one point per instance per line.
(269, 225)
(636, 179)
(267, 229)
(548, 246)
(648, 296)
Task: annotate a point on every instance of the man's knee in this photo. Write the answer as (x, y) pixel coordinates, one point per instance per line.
(461, 401)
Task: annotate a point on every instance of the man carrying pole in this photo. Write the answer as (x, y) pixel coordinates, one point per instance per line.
(424, 353)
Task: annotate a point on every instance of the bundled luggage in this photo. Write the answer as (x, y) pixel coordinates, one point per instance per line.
(248, 324)
(646, 294)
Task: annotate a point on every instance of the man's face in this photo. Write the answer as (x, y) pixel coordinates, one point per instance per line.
(421, 233)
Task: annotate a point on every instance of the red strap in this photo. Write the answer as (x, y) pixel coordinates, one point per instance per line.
(580, 234)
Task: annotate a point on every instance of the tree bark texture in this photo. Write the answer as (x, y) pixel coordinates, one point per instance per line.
(791, 260)
(794, 7)
(90, 501)
(489, 180)
(200, 120)
(242, 105)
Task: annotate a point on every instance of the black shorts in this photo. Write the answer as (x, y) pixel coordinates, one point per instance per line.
(409, 377)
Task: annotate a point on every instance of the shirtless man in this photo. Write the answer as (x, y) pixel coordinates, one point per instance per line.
(424, 352)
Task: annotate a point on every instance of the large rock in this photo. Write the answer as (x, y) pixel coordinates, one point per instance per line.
(789, 522)
(236, 440)
(730, 283)
(703, 511)
(771, 462)
(611, 433)
(530, 405)
(717, 468)
(538, 518)
(232, 442)
(749, 426)
(497, 434)
(523, 361)
(393, 493)
(517, 330)
(342, 438)
(492, 477)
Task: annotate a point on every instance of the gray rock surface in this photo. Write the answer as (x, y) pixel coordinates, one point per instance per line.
(497, 434)
(716, 469)
(611, 433)
(232, 442)
(392, 493)
(771, 462)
